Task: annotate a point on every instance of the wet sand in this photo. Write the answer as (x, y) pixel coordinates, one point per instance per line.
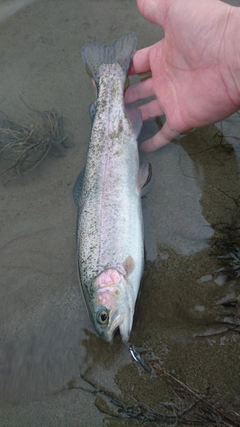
(46, 337)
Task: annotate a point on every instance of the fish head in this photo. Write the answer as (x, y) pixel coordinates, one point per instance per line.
(113, 305)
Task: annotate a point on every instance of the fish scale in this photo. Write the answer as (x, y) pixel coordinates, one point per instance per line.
(108, 191)
(109, 225)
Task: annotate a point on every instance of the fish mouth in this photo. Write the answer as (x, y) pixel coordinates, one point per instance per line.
(115, 322)
(121, 321)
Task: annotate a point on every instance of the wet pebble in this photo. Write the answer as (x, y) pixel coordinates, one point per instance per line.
(221, 280)
(199, 307)
(206, 278)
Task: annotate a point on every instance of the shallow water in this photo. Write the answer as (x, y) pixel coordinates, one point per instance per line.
(46, 337)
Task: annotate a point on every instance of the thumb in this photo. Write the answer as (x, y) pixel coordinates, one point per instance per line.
(154, 11)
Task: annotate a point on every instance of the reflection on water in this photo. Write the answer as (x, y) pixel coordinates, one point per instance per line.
(46, 337)
(38, 356)
(176, 195)
(10, 7)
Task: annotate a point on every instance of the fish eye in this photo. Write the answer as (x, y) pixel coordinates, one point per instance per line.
(102, 317)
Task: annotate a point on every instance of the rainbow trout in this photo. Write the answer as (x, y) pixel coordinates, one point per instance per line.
(108, 195)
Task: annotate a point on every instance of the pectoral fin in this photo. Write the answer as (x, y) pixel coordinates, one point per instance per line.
(129, 265)
(77, 189)
(126, 267)
(92, 111)
(145, 178)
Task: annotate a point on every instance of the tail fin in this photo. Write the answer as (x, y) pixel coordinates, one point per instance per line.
(121, 51)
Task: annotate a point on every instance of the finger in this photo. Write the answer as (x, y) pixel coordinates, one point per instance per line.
(163, 137)
(140, 62)
(138, 91)
(154, 11)
(151, 109)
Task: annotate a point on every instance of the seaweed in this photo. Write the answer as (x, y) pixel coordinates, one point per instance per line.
(24, 146)
(187, 407)
(226, 248)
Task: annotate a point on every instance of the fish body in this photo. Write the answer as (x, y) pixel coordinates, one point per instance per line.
(108, 195)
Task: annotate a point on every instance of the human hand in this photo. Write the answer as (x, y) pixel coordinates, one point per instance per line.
(194, 67)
